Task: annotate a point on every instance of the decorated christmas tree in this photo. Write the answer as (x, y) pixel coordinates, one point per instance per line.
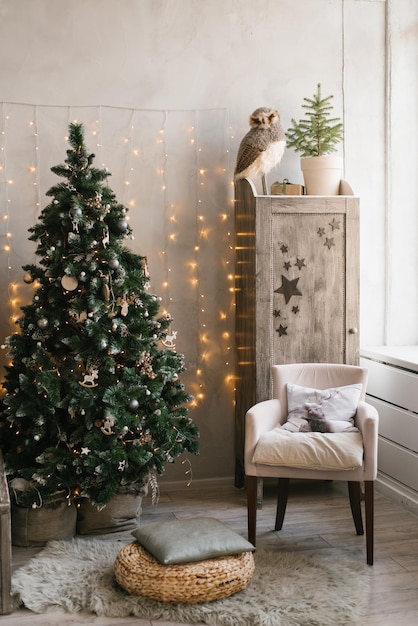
(93, 400)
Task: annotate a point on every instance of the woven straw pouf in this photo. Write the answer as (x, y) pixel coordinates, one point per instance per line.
(139, 573)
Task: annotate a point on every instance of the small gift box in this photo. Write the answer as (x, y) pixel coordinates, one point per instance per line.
(286, 189)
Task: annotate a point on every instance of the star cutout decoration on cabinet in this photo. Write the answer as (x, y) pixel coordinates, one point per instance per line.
(335, 224)
(288, 288)
(282, 330)
(300, 263)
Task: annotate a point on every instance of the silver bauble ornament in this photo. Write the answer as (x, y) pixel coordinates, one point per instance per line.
(114, 263)
(133, 404)
(122, 226)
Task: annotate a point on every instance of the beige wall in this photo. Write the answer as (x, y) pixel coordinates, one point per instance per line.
(165, 88)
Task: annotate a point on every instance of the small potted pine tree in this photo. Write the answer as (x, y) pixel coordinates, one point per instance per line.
(316, 138)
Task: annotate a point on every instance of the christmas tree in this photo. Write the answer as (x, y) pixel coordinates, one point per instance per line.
(318, 133)
(93, 400)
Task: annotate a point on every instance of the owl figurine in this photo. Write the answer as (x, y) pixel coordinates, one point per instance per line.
(262, 147)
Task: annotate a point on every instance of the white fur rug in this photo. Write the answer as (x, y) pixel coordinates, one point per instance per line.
(287, 589)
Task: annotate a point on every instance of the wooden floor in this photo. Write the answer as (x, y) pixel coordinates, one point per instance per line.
(318, 521)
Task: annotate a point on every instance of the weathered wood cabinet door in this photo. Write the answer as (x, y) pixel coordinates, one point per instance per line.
(297, 289)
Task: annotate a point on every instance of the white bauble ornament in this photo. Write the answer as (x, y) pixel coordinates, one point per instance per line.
(42, 323)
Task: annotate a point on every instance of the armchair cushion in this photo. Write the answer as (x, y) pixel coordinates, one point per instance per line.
(322, 410)
(319, 451)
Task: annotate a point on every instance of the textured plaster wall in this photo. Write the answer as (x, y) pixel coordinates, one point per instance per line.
(183, 57)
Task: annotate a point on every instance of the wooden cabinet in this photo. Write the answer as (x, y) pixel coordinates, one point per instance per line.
(297, 289)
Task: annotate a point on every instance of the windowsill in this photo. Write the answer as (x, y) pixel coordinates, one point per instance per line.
(399, 356)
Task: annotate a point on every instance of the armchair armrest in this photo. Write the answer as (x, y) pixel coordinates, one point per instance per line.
(367, 421)
(259, 418)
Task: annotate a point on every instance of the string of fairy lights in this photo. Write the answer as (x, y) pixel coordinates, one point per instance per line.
(136, 150)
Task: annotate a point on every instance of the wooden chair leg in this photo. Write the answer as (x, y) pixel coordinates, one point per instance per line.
(252, 507)
(354, 492)
(282, 495)
(369, 506)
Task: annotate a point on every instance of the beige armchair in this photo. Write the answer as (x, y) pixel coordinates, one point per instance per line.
(264, 417)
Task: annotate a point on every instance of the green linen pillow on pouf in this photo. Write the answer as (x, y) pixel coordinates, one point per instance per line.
(190, 540)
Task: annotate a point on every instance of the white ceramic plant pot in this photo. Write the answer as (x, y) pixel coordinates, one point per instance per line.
(322, 175)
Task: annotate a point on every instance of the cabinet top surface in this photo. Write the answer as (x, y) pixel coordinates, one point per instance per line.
(399, 356)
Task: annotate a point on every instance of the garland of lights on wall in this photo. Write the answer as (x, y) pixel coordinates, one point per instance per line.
(146, 152)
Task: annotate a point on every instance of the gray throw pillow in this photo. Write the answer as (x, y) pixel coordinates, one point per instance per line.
(322, 410)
